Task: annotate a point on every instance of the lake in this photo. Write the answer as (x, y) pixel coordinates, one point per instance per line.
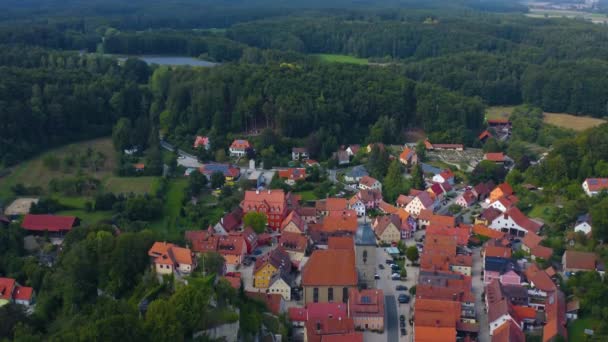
(172, 60)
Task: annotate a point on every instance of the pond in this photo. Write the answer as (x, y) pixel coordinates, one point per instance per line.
(172, 60)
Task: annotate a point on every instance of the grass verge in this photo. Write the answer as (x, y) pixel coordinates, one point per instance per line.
(334, 58)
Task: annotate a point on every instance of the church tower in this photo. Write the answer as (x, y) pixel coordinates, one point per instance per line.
(365, 252)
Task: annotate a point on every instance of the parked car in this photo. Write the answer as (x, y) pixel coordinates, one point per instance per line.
(403, 298)
(403, 332)
(396, 276)
(389, 261)
(381, 266)
(257, 251)
(395, 267)
(402, 324)
(376, 276)
(402, 318)
(401, 288)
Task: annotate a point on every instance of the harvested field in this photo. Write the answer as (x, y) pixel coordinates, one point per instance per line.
(20, 206)
(577, 123)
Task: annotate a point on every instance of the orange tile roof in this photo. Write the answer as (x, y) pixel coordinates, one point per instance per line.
(296, 219)
(275, 199)
(461, 234)
(495, 157)
(317, 329)
(293, 242)
(524, 312)
(597, 184)
(483, 230)
(540, 279)
(405, 154)
(330, 267)
(368, 181)
(335, 204)
(441, 243)
(341, 242)
(240, 144)
(349, 337)
(580, 260)
(7, 286)
(434, 334)
(542, 252)
(508, 332)
(168, 253)
(436, 315)
(498, 251)
(531, 240)
(232, 245)
(293, 173)
(339, 223)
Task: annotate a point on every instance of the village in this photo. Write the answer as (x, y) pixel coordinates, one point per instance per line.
(354, 267)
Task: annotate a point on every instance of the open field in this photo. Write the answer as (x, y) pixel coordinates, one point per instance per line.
(137, 185)
(341, 59)
(167, 226)
(307, 195)
(577, 123)
(33, 172)
(86, 217)
(499, 112)
(554, 13)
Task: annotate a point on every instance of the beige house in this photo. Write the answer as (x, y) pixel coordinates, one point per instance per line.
(279, 285)
(366, 308)
(295, 245)
(294, 223)
(168, 258)
(329, 275)
(387, 228)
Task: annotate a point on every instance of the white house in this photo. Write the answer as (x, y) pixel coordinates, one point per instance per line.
(239, 147)
(583, 224)
(421, 202)
(279, 285)
(444, 176)
(503, 204)
(514, 222)
(369, 183)
(593, 186)
(299, 153)
(357, 205)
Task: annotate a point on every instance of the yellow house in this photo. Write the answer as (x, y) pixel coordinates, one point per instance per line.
(263, 274)
(266, 267)
(387, 228)
(279, 285)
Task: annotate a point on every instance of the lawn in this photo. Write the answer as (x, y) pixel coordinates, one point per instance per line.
(33, 172)
(332, 58)
(577, 123)
(167, 227)
(307, 195)
(86, 217)
(137, 185)
(542, 211)
(576, 329)
(499, 112)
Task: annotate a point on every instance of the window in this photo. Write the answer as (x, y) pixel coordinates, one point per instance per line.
(315, 295)
(365, 256)
(345, 295)
(330, 294)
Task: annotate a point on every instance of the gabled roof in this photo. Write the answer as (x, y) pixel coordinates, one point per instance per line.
(447, 174)
(383, 222)
(326, 310)
(240, 144)
(232, 245)
(425, 198)
(539, 279)
(579, 260)
(299, 150)
(357, 172)
(342, 156)
(403, 200)
(542, 252)
(52, 223)
(334, 204)
(293, 242)
(293, 173)
(272, 300)
(348, 337)
(368, 181)
(484, 134)
(407, 154)
(483, 230)
(23, 293)
(469, 197)
(202, 241)
(170, 254)
(490, 214)
(437, 189)
(275, 199)
(367, 195)
(597, 184)
(555, 313)
(365, 302)
(505, 188)
(330, 267)
(340, 223)
(318, 329)
(498, 251)
(232, 220)
(278, 258)
(297, 314)
(460, 234)
(508, 332)
(201, 141)
(522, 220)
(439, 220)
(531, 240)
(296, 219)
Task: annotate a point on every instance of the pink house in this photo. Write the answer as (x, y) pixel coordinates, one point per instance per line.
(510, 278)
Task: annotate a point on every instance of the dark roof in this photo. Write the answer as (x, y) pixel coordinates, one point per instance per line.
(365, 235)
(357, 172)
(52, 223)
(500, 265)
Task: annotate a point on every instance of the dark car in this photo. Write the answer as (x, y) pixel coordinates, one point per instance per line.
(257, 251)
(403, 332)
(403, 298)
(402, 318)
(402, 324)
(389, 261)
(381, 266)
(376, 276)
(395, 267)
(396, 276)
(401, 288)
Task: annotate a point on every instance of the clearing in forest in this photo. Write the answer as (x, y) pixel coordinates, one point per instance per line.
(577, 123)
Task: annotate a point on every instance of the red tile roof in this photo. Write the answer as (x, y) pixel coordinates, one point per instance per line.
(436, 314)
(508, 332)
(441, 243)
(484, 134)
(597, 184)
(202, 241)
(447, 174)
(293, 242)
(469, 197)
(497, 157)
(579, 260)
(326, 310)
(368, 181)
(461, 234)
(498, 251)
(505, 188)
(317, 329)
(232, 245)
(522, 220)
(170, 254)
(297, 314)
(403, 200)
(341, 223)
(524, 312)
(341, 242)
(330, 267)
(274, 199)
(539, 278)
(234, 281)
(542, 252)
(483, 230)
(293, 173)
(365, 303)
(407, 154)
(296, 219)
(555, 313)
(240, 144)
(381, 223)
(335, 204)
(201, 141)
(7, 286)
(52, 223)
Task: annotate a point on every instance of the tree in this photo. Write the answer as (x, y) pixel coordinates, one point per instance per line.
(257, 221)
(196, 183)
(162, 322)
(412, 253)
(121, 134)
(418, 178)
(599, 213)
(421, 151)
(217, 180)
(378, 162)
(394, 183)
(401, 247)
(487, 170)
(212, 262)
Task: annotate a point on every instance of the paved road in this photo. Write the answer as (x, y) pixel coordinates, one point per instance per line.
(392, 327)
(482, 316)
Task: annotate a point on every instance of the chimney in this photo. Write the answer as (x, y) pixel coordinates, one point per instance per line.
(269, 191)
(257, 191)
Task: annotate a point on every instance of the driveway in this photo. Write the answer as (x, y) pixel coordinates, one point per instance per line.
(482, 315)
